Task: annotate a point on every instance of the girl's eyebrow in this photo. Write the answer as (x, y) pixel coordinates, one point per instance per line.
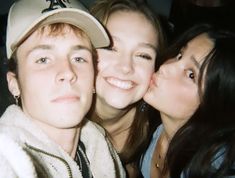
(143, 44)
(196, 63)
(192, 58)
(148, 45)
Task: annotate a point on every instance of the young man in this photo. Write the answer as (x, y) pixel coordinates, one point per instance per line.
(50, 47)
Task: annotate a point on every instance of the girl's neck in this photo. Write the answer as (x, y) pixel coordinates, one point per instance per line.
(158, 159)
(171, 125)
(107, 112)
(117, 123)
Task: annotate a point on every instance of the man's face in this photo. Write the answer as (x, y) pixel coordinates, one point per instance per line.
(55, 78)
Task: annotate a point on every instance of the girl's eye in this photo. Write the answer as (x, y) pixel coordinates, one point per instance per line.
(191, 75)
(179, 56)
(42, 60)
(145, 56)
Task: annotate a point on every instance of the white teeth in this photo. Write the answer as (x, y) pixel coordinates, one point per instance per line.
(121, 84)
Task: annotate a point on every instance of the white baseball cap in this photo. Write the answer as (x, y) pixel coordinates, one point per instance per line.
(25, 16)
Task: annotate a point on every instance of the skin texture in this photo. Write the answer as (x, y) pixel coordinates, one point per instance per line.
(51, 83)
(175, 83)
(124, 70)
(174, 91)
(124, 73)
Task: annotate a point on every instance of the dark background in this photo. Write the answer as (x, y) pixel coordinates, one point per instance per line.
(177, 16)
(161, 6)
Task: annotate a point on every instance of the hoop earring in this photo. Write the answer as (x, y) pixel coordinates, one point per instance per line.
(16, 97)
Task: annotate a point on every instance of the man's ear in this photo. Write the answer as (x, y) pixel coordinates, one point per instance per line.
(13, 84)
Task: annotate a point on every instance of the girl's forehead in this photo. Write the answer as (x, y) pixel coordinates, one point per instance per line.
(199, 46)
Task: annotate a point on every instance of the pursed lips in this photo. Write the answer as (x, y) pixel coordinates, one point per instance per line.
(122, 84)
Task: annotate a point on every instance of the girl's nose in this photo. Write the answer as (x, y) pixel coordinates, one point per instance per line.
(168, 69)
(125, 64)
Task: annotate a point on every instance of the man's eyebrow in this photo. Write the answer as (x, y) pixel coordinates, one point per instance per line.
(48, 47)
(81, 47)
(42, 46)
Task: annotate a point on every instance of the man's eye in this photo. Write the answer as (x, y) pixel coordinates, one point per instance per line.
(42, 60)
(79, 59)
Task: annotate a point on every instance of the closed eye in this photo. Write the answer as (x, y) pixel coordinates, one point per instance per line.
(145, 56)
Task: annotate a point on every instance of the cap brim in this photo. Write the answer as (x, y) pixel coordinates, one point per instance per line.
(78, 18)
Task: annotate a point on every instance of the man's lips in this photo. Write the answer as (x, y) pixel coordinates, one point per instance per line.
(66, 98)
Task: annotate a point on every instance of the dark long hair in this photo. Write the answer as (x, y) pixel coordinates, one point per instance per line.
(210, 133)
(141, 128)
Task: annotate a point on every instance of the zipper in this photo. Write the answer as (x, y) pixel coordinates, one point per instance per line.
(54, 156)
